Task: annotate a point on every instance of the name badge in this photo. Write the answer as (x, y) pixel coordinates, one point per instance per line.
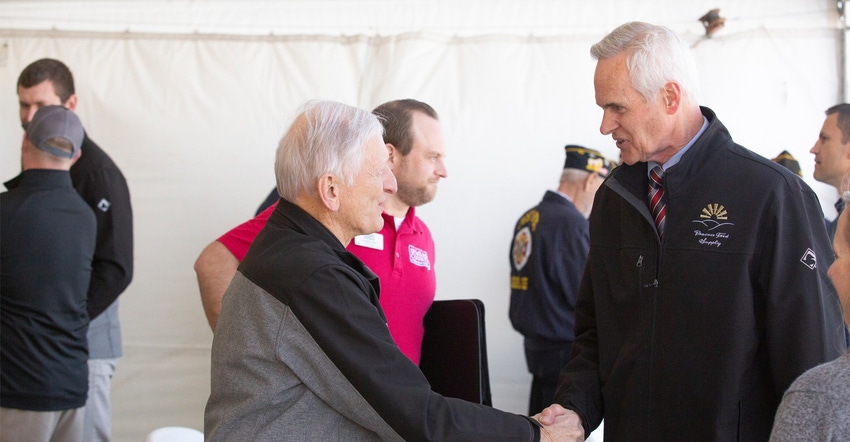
(372, 241)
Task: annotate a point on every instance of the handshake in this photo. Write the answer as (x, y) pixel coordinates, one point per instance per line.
(559, 424)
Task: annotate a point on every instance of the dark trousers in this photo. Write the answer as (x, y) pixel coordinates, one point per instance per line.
(545, 366)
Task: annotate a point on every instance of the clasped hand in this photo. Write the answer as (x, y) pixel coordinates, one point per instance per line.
(559, 424)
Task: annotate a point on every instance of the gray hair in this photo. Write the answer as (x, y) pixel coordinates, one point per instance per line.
(571, 175)
(655, 56)
(326, 138)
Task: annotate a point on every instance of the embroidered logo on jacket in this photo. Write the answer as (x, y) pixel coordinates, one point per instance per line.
(522, 248)
(713, 219)
(714, 210)
(103, 205)
(809, 259)
(419, 257)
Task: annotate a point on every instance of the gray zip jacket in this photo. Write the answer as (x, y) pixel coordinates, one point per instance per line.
(302, 352)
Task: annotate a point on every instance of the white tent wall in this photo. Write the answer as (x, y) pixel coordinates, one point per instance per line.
(193, 120)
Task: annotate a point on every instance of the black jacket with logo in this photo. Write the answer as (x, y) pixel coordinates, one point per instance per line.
(697, 335)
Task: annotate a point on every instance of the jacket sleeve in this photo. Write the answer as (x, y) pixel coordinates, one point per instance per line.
(803, 322)
(351, 331)
(580, 388)
(105, 191)
(570, 259)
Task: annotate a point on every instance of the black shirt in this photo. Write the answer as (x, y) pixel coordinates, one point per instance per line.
(47, 243)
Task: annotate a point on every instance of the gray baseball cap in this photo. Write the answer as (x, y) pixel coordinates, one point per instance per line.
(55, 122)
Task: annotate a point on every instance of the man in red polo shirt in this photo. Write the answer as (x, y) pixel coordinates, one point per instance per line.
(401, 253)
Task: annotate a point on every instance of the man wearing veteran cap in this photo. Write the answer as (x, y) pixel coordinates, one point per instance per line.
(46, 249)
(548, 253)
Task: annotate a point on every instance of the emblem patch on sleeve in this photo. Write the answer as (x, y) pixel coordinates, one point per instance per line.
(809, 259)
(522, 248)
(103, 205)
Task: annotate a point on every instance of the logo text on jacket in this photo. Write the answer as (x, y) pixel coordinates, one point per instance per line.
(713, 220)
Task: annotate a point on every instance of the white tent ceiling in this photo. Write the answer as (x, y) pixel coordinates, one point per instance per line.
(388, 17)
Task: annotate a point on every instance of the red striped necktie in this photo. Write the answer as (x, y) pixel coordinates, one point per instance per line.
(656, 199)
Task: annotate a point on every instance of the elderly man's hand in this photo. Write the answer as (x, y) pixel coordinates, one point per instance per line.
(560, 424)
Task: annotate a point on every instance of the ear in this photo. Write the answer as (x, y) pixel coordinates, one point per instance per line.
(394, 155)
(71, 104)
(588, 182)
(672, 95)
(329, 192)
(76, 157)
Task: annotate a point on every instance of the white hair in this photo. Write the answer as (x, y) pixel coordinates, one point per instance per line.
(571, 174)
(326, 138)
(655, 56)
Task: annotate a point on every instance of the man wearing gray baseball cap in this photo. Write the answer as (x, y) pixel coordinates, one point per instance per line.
(46, 248)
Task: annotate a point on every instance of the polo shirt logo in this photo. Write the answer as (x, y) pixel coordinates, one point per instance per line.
(419, 257)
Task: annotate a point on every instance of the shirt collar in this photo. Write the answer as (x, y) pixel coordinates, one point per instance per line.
(678, 156)
(558, 192)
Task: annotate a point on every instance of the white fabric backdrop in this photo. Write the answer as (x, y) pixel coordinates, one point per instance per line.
(193, 121)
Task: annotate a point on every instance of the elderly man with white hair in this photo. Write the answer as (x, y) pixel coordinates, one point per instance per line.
(301, 349)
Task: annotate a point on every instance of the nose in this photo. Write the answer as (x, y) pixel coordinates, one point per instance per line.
(608, 124)
(390, 184)
(441, 170)
(27, 112)
(814, 148)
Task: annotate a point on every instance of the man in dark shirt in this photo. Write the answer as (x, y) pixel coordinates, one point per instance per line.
(102, 186)
(46, 248)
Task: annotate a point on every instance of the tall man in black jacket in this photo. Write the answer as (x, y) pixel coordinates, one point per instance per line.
(705, 292)
(103, 187)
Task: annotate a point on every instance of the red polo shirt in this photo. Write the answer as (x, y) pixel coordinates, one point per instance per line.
(403, 259)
